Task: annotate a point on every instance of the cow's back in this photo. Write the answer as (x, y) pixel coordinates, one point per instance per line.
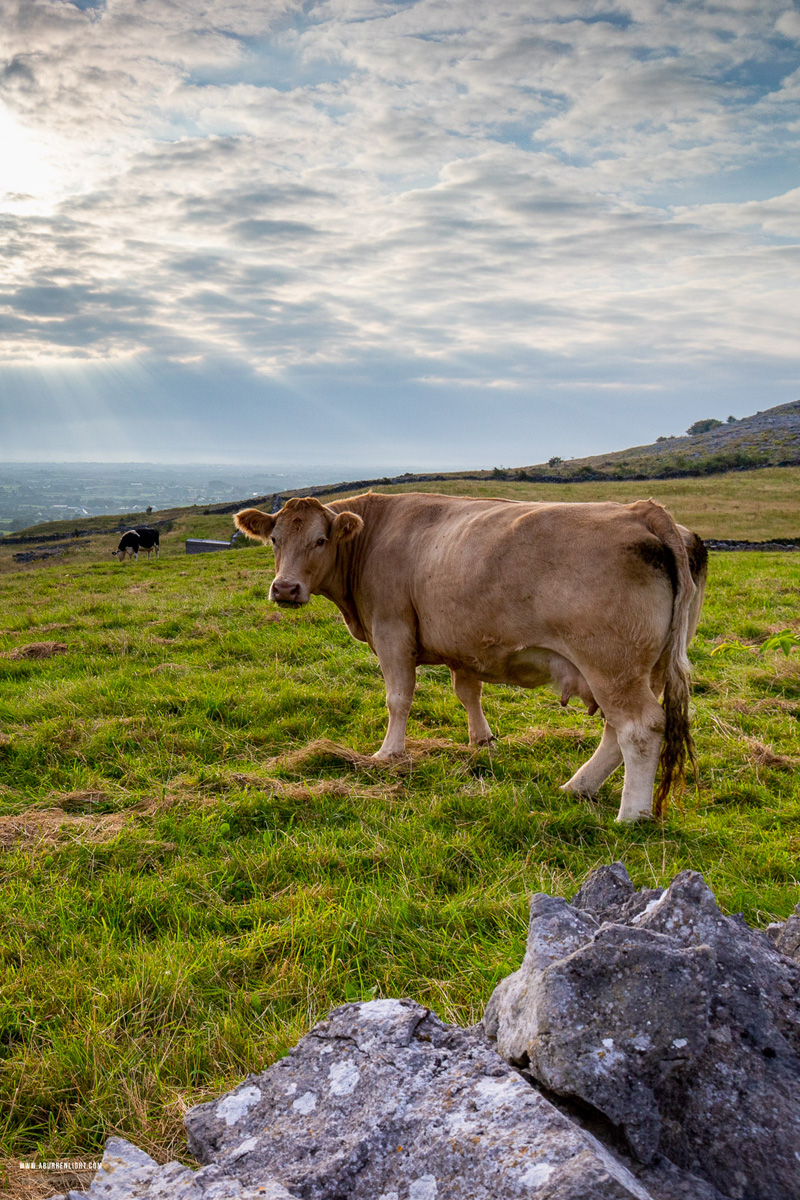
(482, 579)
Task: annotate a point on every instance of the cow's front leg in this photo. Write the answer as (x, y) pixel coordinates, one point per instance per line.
(468, 688)
(399, 669)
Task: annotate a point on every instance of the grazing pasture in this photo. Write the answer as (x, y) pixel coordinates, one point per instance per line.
(198, 859)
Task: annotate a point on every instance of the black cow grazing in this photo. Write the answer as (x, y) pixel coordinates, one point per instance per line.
(141, 537)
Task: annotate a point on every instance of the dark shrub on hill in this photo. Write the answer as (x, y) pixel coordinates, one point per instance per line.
(704, 426)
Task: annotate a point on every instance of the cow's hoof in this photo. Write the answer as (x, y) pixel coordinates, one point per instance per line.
(386, 756)
(573, 789)
(484, 742)
(633, 818)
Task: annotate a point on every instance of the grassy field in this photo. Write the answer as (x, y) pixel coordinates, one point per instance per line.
(192, 874)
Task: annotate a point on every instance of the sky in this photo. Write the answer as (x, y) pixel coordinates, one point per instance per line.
(404, 234)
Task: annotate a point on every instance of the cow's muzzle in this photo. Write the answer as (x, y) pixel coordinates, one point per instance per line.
(288, 591)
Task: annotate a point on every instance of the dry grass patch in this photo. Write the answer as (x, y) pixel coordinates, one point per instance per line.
(324, 748)
(51, 825)
(772, 704)
(37, 650)
(541, 735)
(343, 786)
(762, 755)
(70, 801)
(39, 1185)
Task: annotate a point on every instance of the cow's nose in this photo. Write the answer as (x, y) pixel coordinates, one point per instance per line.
(286, 591)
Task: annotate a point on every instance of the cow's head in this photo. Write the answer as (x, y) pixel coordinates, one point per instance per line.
(305, 536)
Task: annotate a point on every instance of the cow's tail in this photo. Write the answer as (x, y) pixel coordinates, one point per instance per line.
(678, 748)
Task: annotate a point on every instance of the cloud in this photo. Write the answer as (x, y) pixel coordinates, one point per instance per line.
(357, 184)
(451, 381)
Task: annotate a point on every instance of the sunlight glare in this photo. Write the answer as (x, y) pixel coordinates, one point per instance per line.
(24, 170)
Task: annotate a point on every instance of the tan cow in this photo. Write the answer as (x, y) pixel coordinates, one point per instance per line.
(598, 599)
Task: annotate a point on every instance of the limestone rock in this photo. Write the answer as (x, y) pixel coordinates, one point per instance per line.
(385, 1100)
(679, 1024)
(609, 895)
(381, 1101)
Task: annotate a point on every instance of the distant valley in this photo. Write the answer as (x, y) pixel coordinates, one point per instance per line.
(37, 493)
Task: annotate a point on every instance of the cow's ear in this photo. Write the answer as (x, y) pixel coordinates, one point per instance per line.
(255, 523)
(345, 526)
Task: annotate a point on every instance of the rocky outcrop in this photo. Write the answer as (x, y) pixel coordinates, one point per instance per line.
(680, 1025)
(647, 1049)
(381, 1101)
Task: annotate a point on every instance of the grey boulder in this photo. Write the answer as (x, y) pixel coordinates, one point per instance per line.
(381, 1101)
(680, 1025)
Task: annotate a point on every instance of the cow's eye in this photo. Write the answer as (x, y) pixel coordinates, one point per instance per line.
(321, 541)
(272, 539)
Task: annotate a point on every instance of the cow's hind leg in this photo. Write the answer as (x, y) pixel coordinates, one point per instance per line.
(639, 725)
(468, 688)
(589, 778)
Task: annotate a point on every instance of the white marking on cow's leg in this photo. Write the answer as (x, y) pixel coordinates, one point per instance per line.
(588, 779)
(468, 689)
(640, 741)
(399, 674)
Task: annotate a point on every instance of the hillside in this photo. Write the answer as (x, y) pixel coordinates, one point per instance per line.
(717, 507)
(766, 439)
(769, 438)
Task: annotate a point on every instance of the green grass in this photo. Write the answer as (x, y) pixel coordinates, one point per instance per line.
(201, 906)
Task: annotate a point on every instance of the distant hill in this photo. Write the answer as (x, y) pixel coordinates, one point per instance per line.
(767, 439)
